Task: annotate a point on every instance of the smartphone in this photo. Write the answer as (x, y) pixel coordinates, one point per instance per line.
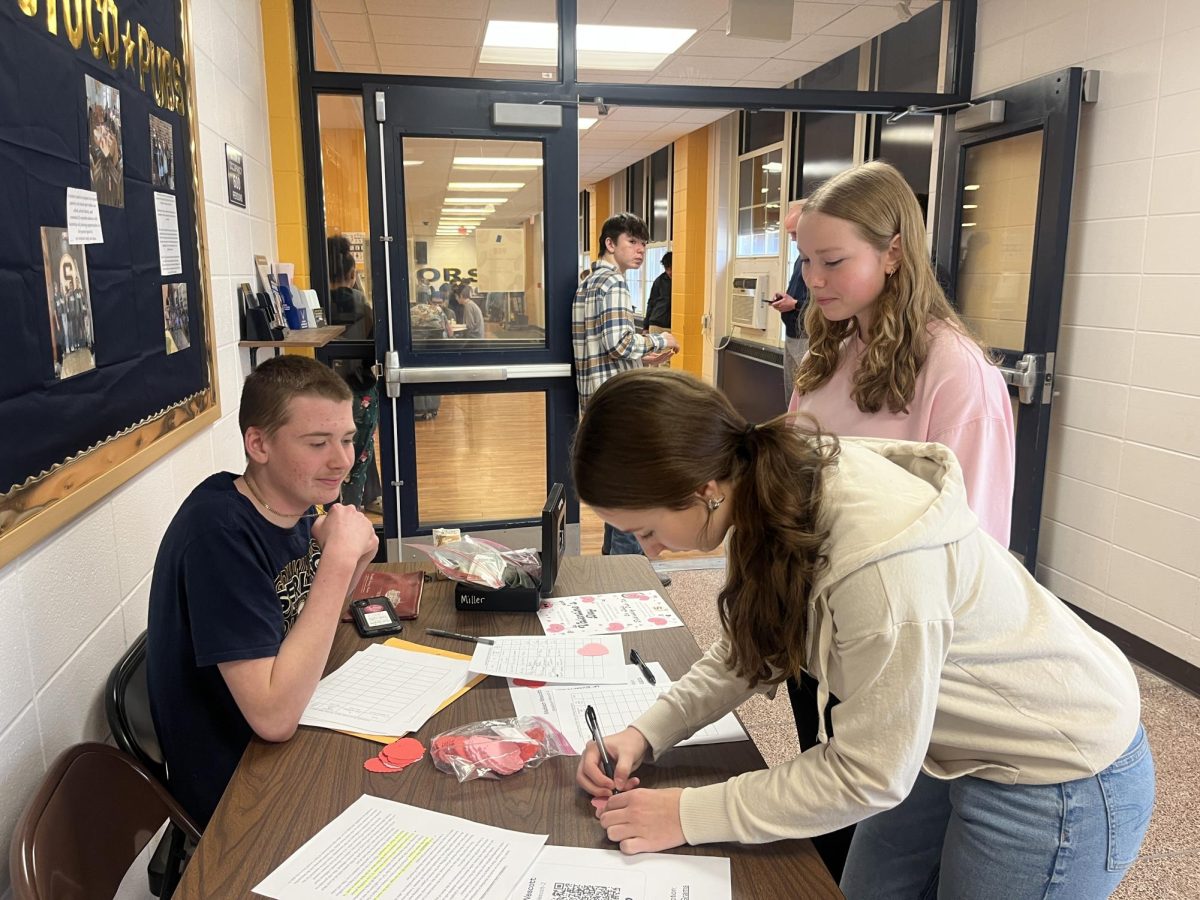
(374, 616)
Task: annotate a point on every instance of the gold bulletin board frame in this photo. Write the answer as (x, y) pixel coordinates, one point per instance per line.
(44, 503)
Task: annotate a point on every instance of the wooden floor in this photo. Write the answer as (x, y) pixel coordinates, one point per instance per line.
(483, 456)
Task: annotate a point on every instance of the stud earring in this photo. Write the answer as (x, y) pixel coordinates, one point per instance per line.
(714, 503)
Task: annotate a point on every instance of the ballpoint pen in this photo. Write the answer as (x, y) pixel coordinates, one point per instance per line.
(459, 637)
(636, 659)
(589, 716)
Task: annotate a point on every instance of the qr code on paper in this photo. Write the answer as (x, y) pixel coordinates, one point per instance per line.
(564, 891)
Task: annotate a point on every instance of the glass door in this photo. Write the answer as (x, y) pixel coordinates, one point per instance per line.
(474, 252)
(1003, 211)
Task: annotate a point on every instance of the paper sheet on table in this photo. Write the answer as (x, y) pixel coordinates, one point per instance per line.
(434, 651)
(384, 690)
(382, 849)
(607, 613)
(616, 706)
(584, 872)
(592, 659)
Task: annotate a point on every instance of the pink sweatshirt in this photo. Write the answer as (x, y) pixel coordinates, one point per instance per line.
(960, 401)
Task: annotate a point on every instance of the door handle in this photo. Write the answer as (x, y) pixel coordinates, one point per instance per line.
(1029, 373)
(391, 373)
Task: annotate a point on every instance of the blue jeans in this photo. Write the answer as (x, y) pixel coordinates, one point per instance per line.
(619, 543)
(971, 839)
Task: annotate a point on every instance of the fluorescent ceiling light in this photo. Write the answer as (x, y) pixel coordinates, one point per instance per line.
(470, 200)
(414, 162)
(970, 206)
(536, 44)
(586, 122)
(468, 209)
(498, 162)
(772, 167)
(968, 224)
(485, 185)
(971, 187)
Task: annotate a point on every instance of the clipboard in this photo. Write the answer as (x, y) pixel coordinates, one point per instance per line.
(433, 651)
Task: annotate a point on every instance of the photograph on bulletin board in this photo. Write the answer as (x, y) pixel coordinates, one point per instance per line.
(108, 352)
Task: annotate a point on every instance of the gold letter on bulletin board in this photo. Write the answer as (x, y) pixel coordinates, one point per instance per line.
(64, 488)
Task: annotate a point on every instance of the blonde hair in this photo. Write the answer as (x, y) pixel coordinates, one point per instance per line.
(650, 438)
(878, 202)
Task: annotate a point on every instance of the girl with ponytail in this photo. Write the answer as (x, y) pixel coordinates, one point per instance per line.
(973, 700)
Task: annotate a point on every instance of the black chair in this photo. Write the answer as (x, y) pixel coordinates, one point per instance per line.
(92, 815)
(127, 705)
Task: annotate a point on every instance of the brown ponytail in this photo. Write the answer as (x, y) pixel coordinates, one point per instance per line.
(651, 437)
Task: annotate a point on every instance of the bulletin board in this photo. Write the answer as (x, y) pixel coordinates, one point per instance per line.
(106, 352)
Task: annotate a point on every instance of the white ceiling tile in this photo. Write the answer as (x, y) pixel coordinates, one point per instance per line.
(717, 43)
(699, 14)
(811, 17)
(355, 56)
(863, 22)
(705, 69)
(346, 27)
(653, 114)
(751, 83)
(420, 58)
(780, 71)
(703, 116)
(328, 6)
(434, 32)
(448, 9)
(522, 11)
(402, 69)
(594, 11)
(711, 82)
(820, 48)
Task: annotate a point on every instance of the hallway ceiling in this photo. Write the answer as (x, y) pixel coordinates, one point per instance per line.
(447, 38)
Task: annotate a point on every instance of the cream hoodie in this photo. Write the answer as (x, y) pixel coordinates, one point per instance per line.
(948, 656)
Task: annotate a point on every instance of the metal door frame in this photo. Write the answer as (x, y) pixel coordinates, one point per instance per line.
(400, 112)
(1049, 104)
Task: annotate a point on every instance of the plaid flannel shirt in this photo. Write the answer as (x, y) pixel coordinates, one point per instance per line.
(603, 334)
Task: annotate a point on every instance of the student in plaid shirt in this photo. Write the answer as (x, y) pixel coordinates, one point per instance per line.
(603, 332)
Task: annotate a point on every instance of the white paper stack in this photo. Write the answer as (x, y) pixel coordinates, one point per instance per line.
(594, 659)
(384, 690)
(616, 707)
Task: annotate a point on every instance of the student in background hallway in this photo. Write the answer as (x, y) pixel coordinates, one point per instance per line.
(603, 334)
(888, 357)
(472, 315)
(658, 307)
(988, 744)
(790, 306)
(249, 584)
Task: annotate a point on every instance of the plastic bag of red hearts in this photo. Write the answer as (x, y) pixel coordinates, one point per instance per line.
(497, 747)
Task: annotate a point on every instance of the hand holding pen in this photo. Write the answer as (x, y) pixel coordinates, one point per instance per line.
(589, 716)
(606, 769)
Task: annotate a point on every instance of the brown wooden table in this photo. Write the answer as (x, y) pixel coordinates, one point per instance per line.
(283, 794)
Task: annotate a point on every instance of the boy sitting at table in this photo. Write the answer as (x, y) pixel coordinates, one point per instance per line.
(249, 582)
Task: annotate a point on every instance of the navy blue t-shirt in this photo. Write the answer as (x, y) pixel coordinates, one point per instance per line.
(227, 585)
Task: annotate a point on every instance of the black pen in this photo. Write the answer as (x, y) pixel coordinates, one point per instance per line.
(459, 637)
(589, 716)
(636, 659)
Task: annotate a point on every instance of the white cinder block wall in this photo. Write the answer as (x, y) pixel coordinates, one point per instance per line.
(1121, 519)
(71, 605)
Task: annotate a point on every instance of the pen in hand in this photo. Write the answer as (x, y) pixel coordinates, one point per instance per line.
(589, 716)
(636, 659)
